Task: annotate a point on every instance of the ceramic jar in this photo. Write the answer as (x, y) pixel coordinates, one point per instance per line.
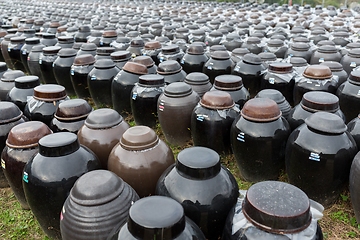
(251, 70)
(87, 48)
(144, 98)
(253, 45)
(349, 95)
(194, 59)
(199, 82)
(232, 41)
(238, 53)
(120, 58)
(3, 33)
(140, 155)
(136, 45)
(211, 121)
(260, 133)
(65, 42)
(219, 63)
(325, 53)
(337, 70)
(315, 78)
(25, 50)
(312, 102)
(146, 220)
(21, 145)
(62, 69)
(199, 169)
(99, 200)
(319, 154)
(121, 44)
(351, 60)
(175, 107)
(101, 131)
(273, 210)
(280, 76)
(299, 64)
(104, 52)
(46, 60)
(277, 47)
(79, 71)
(42, 105)
(299, 49)
(82, 34)
(152, 49)
(354, 185)
(148, 62)
(122, 85)
(24, 88)
(14, 50)
(49, 176)
(70, 116)
(33, 61)
(3, 68)
(99, 81)
(7, 82)
(48, 39)
(4, 50)
(107, 38)
(172, 71)
(277, 96)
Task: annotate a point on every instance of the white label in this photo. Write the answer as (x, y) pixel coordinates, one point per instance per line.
(182, 62)
(241, 137)
(209, 67)
(321, 60)
(353, 64)
(3, 163)
(358, 93)
(237, 69)
(161, 106)
(93, 77)
(200, 118)
(315, 157)
(26, 177)
(40, 61)
(272, 80)
(134, 96)
(72, 72)
(24, 52)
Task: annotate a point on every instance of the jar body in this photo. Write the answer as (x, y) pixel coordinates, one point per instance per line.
(24, 53)
(34, 66)
(259, 148)
(319, 163)
(62, 68)
(78, 76)
(5, 53)
(354, 130)
(304, 54)
(349, 63)
(14, 50)
(46, 68)
(354, 186)
(174, 77)
(214, 67)
(193, 63)
(74, 126)
(318, 57)
(253, 48)
(349, 99)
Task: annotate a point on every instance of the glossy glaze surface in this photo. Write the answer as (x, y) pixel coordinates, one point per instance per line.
(46, 60)
(215, 67)
(24, 88)
(354, 185)
(79, 73)
(193, 63)
(349, 99)
(14, 50)
(61, 68)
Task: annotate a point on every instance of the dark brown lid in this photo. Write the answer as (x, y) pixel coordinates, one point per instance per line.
(120, 55)
(317, 72)
(51, 50)
(252, 59)
(62, 29)
(54, 25)
(151, 45)
(220, 55)
(27, 135)
(49, 92)
(9, 112)
(144, 60)
(170, 49)
(10, 76)
(105, 51)
(103, 118)
(152, 79)
(196, 49)
(228, 82)
(109, 34)
(139, 138)
(169, 67)
(334, 66)
(134, 67)
(277, 207)
(261, 110)
(178, 89)
(315, 101)
(354, 77)
(86, 59)
(280, 67)
(217, 100)
(326, 122)
(73, 109)
(66, 39)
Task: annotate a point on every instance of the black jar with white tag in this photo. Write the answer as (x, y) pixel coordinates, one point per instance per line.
(62, 69)
(325, 53)
(33, 61)
(79, 71)
(318, 157)
(170, 52)
(14, 50)
(194, 59)
(25, 50)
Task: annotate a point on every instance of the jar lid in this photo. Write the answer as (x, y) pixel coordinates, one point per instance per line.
(139, 138)
(109, 34)
(221, 55)
(33, 40)
(27, 134)
(280, 67)
(253, 40)
(156, 216)
(228, 82)
(315, 101)
(88, 47)
(144, 60)
(105, 51)
(103, 118)
(104, 64)
(27, 82)
(10, 76)
(152, 45)
(51, 50)
(178, 89)
(217, 100)
(137, 42)
(9, 36)
(58, 144)
(277, 207)
(120, 55)
(355, 52)
(214, 48)
(73, 109)
(325, 42)
(326, 122)
(215, 34)
(86, 59)
(275, 43)
(170, 49)
(298, 62)
(9, 112)
(196, 49)
(169, 67)
(197, 78)
(60, 30)
(105, 187)
(353, 45)
(354, 77)
(134, 67)
(17, 39)
(317, 72)
(277, 97)
(300, 46)
(252, 59)
(267, 56)
(54, 25)
(84, 28)
(327, 49)
(49, 92)
(198, 163)
(261, 110)
(151, 79)
(48, 35)
(67, 52)
(65, 39)
(240, 51)
(198, 32)
(334, 66)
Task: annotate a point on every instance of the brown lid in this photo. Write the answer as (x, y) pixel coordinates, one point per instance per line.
(261, 110)
(280, 67)
(109, 34)
(151, 45)
(3, 33)
(134, 67)
(86, 59)
(228, 82)
(62, 29)
(317, 72)
(196, 49)
(27, 135)
(144, 60)
(73, 109)
(54, 25)
(49, 92)
(217, 100)
(139, 138)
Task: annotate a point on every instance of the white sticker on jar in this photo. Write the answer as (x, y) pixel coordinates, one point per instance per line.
(241, 137)
(272, 80)
(134, 96)
(353, 64)
(26, 177)
(209, 67)
(321, 60)
(3, 163)
(315, 157)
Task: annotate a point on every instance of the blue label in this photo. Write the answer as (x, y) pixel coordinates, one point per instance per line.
(241, 137)
(72, 72)
(40, 61)
(200, 118)
(26, 177)
(134, 96)
(271, 80)
(314, 157)
(182, 62)
(93, 77)
(101, 43)
(24, 52)
(209, 67)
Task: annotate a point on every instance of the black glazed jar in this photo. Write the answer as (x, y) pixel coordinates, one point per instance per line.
(354, 186)
(7, 82)
(33, 61)
(24, 88)
(277, 96)
(211, 121)
(219, 63)
(325, 53)
(120, 58)
(99, 81)
(87, 48)
(46, 60)
(194, 59)
(251, 70)
(172, 71)
(299, 49)
(49, 176)
(25, 50)
(100, 201)
(144, 98)
(199, 170)
(170, 52)
(61, 68)
(253, 44)
(318, 157)
(351, 60)
(48, 39)
(152, 49)
(70, 116)
(104, 52)
(199, 82)
(258, 140)
(158, 217)
(14, 50)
